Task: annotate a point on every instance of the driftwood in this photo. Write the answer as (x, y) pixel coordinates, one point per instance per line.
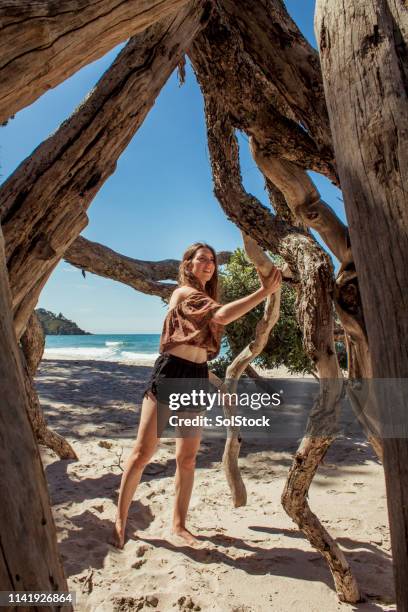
(256, 104)
(271, 312)
(320, 433)
(253, 63)
(303, 199)
(239, 365)
(144, 276)
(311, 266)
(368, 119)
(32, 344)
(28, 542)
(274, 42)
(269, 111)
(44, 202)
(45, 42)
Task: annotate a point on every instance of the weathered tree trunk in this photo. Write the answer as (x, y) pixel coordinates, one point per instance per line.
(32, 344)
(44, 42)
(294, 499)
(369, 126)
(43, 204)
(28, 543)
(304, 201)
(144, 276)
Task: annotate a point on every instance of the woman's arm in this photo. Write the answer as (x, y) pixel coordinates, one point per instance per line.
(234, 310)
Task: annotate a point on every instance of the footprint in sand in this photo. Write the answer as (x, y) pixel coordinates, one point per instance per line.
(138, 564)
(124, 604)
(185, 603)
(142, 549)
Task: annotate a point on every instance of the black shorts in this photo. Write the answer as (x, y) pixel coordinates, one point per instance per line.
(173, 377)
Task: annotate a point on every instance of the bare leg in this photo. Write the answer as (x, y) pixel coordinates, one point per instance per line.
(142, 452)
(186, 452)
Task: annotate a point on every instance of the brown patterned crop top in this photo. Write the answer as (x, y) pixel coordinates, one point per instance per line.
(190, 322)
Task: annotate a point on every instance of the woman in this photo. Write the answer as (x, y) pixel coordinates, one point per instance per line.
(191, 334)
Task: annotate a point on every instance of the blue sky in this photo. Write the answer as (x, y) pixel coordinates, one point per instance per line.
(159, 200)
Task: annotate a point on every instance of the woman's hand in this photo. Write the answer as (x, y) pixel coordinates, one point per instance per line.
(272, 282)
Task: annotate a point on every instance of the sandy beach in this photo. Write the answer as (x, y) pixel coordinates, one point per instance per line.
(253, 558)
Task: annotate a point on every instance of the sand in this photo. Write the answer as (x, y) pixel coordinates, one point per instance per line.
(253, 558)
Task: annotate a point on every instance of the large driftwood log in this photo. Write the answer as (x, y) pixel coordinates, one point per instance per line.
(43, 434)
(369, 126)
(32, 344)
(28, 542)
(314, 270)
(44, 42)
(144, 276)
(44, 202)
(319, 435)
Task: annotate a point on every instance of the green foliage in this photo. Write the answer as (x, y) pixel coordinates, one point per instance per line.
(284, 347)
(341, 355)
(57, 325)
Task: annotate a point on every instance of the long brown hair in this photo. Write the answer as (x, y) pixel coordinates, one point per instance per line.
(186, 277)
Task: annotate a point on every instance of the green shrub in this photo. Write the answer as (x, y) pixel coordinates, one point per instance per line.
(284, 347)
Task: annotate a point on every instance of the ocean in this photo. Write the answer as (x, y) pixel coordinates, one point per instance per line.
(105, 347)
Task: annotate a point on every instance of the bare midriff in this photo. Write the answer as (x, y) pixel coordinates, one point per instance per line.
(189, 352)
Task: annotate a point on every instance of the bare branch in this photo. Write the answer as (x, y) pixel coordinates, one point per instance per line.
(45, 42)
(253, 100)
(304, 201)
(270, 316)
(144, 276)
(275, 43)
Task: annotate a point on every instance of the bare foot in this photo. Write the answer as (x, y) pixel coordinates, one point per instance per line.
(186, 536)
(118, 535)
